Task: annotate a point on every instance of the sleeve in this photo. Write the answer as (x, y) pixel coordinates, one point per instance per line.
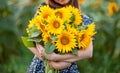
(86, 20)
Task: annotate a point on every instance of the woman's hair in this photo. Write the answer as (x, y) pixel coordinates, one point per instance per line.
(53, 4)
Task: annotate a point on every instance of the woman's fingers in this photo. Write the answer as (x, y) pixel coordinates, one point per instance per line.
(57, 57)
(35, 51)
(40, 48)
(48, 56)
(59, 65)
(53, 56)
(41, 51)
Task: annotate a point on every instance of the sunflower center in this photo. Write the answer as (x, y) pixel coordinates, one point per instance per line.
(82, 37)
(64, 40)
(42, 27)
(56, 24)
(49, 39)
(59, 14)
(45, 16)
(114, 9)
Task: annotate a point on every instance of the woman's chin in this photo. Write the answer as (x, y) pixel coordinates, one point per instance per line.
(62, 2)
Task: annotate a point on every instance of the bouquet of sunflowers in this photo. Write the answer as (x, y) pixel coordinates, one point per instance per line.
(60, 30)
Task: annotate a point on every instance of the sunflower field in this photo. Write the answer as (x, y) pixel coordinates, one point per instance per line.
(15, 15)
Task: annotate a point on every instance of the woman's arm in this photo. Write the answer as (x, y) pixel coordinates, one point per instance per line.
(82, 54)
(64, 61)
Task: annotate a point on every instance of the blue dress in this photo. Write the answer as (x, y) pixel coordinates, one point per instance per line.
(37, 65)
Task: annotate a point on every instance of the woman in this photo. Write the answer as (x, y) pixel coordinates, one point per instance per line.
(65, 63)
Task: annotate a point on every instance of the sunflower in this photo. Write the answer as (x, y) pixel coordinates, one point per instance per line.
(84, 39)
(112, 7)
(91, 29)
(62, 13)
(55, 25)
(45, 12)
(31, 23)
(72, 29)
(46, 37)
(39, 24)
(66, 42)
(85, 36)
(77, 15)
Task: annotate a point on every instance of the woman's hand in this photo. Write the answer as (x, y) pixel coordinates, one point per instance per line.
(59, 64)
(53, 56)
(58, 61)
(35, 52)
(82, 54)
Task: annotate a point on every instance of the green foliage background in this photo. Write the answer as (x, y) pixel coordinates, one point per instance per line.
(16, 58)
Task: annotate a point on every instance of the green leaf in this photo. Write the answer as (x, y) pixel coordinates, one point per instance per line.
(82, 27)
(72, 18)
(54, 38)
(36, 33)
(65, 23)
(35, 39)
(26, 42)
(75, 26)
(49, 47)
(75, 51)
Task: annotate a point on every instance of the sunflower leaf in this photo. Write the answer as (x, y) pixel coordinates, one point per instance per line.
(35, 39)
(75, 26)
(65, 23)
(75, 51)
(49, 47)
(36, 33)
(72, 18)
(32, 29)
(27, 43)
(82, 27)
(54, 38)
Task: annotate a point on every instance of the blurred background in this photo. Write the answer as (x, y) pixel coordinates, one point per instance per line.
(15, 15)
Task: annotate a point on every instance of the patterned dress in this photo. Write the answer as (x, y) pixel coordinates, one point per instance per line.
(37, 66)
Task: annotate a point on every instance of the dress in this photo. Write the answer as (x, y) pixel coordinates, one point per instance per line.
(38, 67)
